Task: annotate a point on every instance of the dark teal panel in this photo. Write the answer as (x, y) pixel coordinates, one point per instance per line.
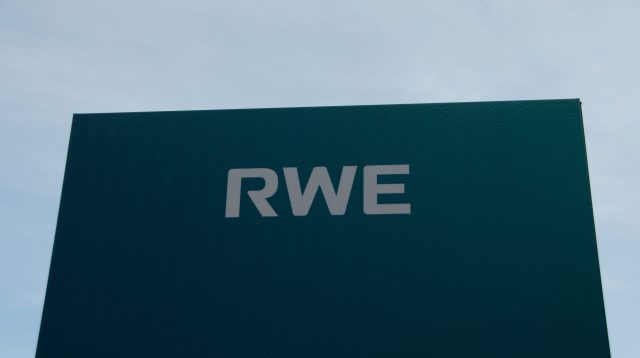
(497, 258)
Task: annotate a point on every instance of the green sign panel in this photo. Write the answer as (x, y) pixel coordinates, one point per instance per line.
(437, 230)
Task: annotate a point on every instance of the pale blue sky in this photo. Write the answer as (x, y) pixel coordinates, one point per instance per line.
(61, 57)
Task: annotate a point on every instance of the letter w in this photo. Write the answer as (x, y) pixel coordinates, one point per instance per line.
(336, 202)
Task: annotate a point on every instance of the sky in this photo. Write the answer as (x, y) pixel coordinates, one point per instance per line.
(63, 57)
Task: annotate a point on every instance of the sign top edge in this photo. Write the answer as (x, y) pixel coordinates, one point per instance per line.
(497, 102)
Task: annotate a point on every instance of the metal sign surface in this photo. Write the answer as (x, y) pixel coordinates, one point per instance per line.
(443, 230)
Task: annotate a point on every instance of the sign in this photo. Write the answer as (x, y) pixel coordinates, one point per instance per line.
(440, 230)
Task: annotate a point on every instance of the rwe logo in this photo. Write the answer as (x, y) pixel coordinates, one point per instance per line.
(301, 200)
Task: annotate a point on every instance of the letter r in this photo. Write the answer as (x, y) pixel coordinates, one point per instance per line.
(258, 197)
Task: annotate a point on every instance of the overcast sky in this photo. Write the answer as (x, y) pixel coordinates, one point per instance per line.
(61, 57)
